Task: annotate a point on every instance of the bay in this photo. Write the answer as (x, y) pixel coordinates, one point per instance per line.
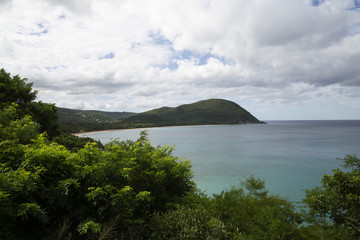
(289, 155)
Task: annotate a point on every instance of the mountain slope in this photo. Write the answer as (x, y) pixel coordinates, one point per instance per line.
(66, 114)
(73, 120)
(212, 111)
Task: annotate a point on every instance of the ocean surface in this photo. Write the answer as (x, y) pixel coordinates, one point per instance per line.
(289, 155)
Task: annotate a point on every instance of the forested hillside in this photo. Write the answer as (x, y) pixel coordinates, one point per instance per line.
(57, 186)
(74, 120)
(212, 111)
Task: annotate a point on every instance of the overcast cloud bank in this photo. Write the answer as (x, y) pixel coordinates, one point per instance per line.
(280, 59)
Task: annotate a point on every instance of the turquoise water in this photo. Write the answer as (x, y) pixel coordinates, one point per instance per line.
(289, 155)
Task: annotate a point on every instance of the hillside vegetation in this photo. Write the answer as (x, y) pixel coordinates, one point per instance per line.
(73, 120)
(212, 111)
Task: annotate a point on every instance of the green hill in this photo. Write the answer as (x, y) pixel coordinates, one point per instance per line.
(212, 111)
(66, 114)
(74, 120)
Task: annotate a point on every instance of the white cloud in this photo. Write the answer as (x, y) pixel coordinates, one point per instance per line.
(173, 52)
(283, 22)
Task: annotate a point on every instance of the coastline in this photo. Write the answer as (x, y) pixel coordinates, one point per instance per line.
(122, 129)
(107, 130)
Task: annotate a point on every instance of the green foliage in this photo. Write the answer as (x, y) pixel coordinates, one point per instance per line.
(89, 227)
(44, 182)
(324, 230)
(27, 210)
(14, 90)
(45, 115)
(73, 120)
(17, 90)
(187, 223)
(251, 213)
(15, 133)
(212, 111)
(338, 199)
(75, 143)
(246, 211)
(18, 130)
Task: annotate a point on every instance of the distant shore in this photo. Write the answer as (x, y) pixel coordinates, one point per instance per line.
(108, 130)
(121, 129)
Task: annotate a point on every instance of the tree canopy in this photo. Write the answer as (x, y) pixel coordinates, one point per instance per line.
(42, 183)
(14, 89)
(338, 198)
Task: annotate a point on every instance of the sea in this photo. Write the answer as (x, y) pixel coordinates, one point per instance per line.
(290, 156)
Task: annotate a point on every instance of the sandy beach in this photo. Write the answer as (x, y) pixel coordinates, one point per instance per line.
(121, 129)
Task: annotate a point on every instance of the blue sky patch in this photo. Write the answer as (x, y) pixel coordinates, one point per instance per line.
(354, 28)
(200, 59)
(355, 6)
(316, 2)
(157, 38)
(50, 68)
(42, 30)
(62, 16)
(107, 56)
(39, 33)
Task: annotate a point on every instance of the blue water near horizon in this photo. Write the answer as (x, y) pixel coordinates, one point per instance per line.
(289, 155)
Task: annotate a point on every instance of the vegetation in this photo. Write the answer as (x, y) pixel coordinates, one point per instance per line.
(212, 111)
(246, 211)
(73, 120)
(338, 199)
(74, 143)
(46, 184)
(66, 188)
(17, 90)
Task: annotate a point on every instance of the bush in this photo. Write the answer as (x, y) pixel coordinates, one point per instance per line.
(187, 223)
(43, 183)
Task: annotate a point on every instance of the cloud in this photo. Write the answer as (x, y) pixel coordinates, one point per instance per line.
(78, 6)
(145, 54)
(284, 22)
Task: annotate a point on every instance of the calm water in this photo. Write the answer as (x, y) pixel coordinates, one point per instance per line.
(289, 155)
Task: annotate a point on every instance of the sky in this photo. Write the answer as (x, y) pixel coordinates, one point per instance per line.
(279, 59)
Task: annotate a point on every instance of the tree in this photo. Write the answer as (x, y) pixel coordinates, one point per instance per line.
(246, 211)
(338, 199)
(44, 114)
(15, 133)
(75, 143)
(17, 90)
(43, 184)
(188, 223)
(14, 89)
(252, 213)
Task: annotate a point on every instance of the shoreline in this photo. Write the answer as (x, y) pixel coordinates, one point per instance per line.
(122, 129)
(107, 130)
